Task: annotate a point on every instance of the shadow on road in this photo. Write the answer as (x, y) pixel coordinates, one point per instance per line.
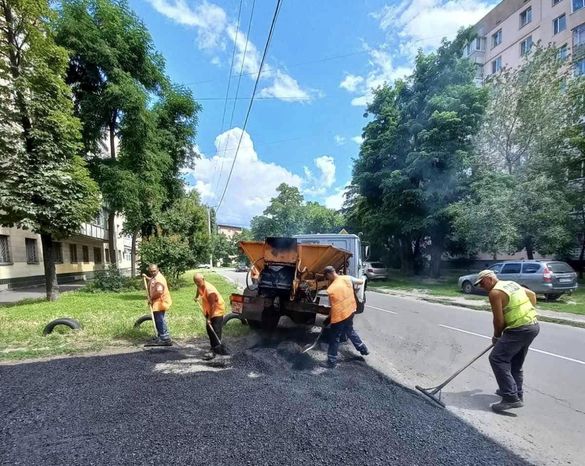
(266, 404)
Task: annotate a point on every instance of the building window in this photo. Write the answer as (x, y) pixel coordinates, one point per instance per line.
(479, 44)
(73, 253)
(97, 255)
(526, 17)
(578, 36)
(496, 65)
(556, 2)
(580, 67)
(4, 250)
(563, 52)
(578, 4)
(32, 256)
(107, 255)
(525, 46)
(58, 252)
(496, 38)
(85, 252)
(559, 24)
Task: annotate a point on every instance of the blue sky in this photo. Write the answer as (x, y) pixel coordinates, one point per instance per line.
(324, 58)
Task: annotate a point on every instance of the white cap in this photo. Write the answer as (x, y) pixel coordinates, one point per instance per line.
(483, 274)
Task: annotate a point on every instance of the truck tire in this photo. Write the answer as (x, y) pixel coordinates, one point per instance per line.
(233, 315)
(71, 323)
(141, 320)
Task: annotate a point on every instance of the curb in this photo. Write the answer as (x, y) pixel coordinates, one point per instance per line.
(482, 308)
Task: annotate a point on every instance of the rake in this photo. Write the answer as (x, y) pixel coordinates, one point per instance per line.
(432, 391)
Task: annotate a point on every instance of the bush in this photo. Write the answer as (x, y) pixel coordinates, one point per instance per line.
(111, 279)
(170, 253)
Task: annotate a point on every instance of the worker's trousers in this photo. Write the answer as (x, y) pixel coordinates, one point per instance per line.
(161, 325)
(215, 340)
(507, 359)
(345, 327)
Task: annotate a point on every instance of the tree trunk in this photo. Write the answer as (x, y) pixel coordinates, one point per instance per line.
(112, 237)
(51, 284)
(406, 256)
(133, 254)
(436, 255)
(528, 244)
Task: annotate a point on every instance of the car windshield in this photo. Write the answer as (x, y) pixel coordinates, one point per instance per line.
(377, 265)
(559, 267)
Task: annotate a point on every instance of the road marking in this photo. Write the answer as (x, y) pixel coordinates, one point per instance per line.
(383, 310)
(531, 349)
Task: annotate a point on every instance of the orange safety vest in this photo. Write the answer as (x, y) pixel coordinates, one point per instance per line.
(219, 310)
(341, 299)
(164, 301)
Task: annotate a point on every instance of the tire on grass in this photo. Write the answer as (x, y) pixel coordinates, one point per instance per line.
(68, 322)
(141, 320)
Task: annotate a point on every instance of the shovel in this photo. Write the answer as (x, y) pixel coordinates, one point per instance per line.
(150, 305)
(432, 391)
(315, 343)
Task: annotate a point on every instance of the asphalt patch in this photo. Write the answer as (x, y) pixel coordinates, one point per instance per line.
(267, 404)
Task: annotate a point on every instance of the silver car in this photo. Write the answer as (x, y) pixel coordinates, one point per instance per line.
(375, 270)
(550, 278)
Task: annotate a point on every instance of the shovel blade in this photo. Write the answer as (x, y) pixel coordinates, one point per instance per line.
(431, 396)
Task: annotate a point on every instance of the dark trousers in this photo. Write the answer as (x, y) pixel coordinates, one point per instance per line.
(214, 340)
(507, 359)
(345, 327)
(161, 325)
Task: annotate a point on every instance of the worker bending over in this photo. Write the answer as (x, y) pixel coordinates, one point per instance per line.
(515, 327)
(159, 298)
(213, 307)
(343, 306)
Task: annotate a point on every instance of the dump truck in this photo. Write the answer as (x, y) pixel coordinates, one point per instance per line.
(290, 280)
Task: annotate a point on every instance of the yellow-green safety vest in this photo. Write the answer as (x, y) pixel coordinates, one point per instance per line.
(519, 310)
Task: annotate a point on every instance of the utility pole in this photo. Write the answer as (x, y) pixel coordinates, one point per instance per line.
(210, 237)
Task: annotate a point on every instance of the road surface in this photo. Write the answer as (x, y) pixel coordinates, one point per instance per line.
(419, 343)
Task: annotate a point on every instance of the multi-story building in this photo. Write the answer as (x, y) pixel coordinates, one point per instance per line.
(508, 32)
(229, 230)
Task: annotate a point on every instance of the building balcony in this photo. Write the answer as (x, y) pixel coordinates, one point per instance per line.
(94, 231)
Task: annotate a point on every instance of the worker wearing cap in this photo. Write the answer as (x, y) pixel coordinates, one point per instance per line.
(159, 299)
(343, 306)
(213, 307)
(515, 327)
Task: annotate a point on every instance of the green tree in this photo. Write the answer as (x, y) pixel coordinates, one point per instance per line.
(112, 67)
(44, 183)
(283, 216)
(224, 249)
(320, 219)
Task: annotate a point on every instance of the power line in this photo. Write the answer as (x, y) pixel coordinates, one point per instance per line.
(238, 86)
(268, 40)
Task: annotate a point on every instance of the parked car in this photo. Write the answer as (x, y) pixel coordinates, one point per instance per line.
(242, 268)
(550, 278)
(203, 266)
(375, 270)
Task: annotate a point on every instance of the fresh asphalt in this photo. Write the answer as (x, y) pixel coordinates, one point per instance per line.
(421, 343)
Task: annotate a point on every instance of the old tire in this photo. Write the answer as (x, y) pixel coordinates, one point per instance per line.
(233, 315)
(71, 323)
(467, 287)
(141, 320)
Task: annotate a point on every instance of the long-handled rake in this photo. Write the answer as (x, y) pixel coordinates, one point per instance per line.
(432, 391)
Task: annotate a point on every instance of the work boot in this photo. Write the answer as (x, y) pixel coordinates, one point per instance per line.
(328, 364)
(208, 356)
(159, 342)
(505, 405)
(520, 395)
(220, 350)
(364, 350)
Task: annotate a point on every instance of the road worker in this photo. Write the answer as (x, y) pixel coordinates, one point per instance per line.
(343, 306)
(159, 298)
(213, 307)
(515, 327)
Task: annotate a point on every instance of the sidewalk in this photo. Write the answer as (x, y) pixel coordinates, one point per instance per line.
(34, 292)
(565, 318)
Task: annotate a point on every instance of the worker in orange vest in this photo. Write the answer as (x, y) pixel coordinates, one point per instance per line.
(343, 306)
(159, 298)
(213, 307)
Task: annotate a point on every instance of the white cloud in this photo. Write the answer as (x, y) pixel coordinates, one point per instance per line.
(214, 30)
(339, 140)
(351, 82)
(357, 139)
(335, 201)
(253, 182)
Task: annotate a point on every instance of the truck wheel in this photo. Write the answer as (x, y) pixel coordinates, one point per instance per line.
(467, 287)
(233, 315)
(71, 323)
(270, 319)
(141, 320)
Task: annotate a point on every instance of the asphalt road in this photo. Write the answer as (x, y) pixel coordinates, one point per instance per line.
(419, 343)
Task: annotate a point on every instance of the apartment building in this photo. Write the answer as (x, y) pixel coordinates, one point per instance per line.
(508, 32)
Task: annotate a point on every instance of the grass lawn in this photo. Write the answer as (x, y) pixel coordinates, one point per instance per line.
(107, 320)
(574, 304)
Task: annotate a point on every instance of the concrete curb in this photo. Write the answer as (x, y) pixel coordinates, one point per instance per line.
(543, 314)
